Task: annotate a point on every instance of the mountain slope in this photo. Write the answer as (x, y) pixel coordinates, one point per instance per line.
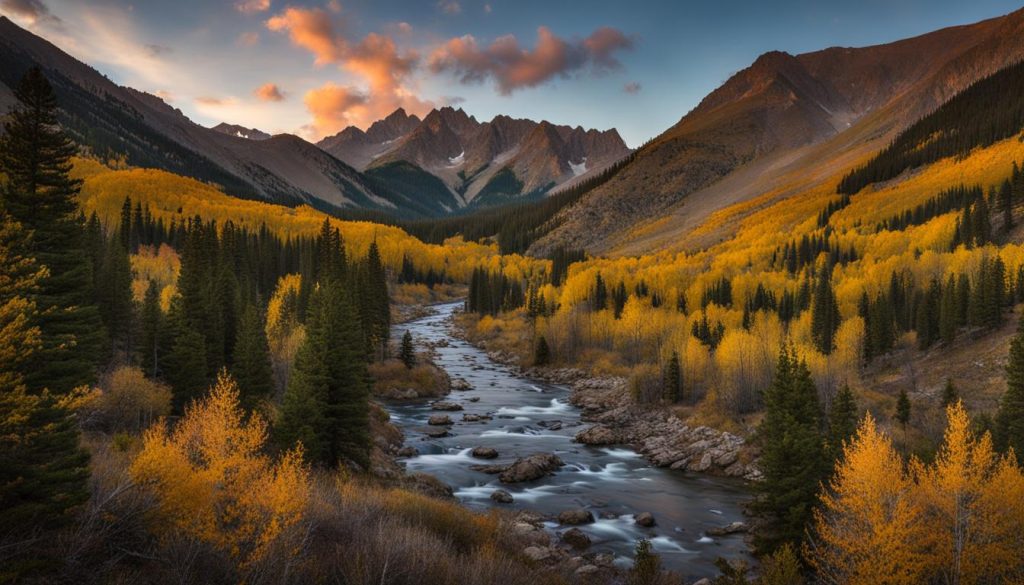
(779, 126)
(116, 121)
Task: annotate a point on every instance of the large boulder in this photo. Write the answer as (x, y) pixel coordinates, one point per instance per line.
(597, 435)
(645, 519)
(731, 528)
(576, 538)
(439, 420)
(530, 468)
(446, 405)
(484, 452)
(575, 517)
(501, 496)
(461, 385)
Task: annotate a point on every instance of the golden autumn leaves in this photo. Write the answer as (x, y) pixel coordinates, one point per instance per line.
(959, 519)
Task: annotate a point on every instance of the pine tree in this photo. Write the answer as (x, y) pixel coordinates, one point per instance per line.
(186, 359)
(1009, 421)
(792, 456)
(35, 155)
(824, 314)
(842, 422)
(542, 354)
(599, 295)
(407, 354)
(251, 364)
(949, 394)
(43, 470)
(152, 319)
(116, 305)
(673, 386)
(903, 409)
(302, 419)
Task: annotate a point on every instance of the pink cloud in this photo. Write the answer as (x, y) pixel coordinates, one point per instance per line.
(32, 11)
(269, 92)
(311, 29)
(251, 6)
(248, 39)
(514, 67)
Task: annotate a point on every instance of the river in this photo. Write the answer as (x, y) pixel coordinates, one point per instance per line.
(613, 483)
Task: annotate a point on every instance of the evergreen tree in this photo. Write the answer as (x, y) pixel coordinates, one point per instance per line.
(35, 156)
(152, 330)
(542, 354)
(1009, 423)
(599, 295)
(303, 419)
(948, 311)
(903, 409)
(824, 314)
(406, 353)
(186, 359)
(792, 456)
(116, 305)
(842, 422)
(251, 364)
(43, 470)
(949, 394)
(672, 390)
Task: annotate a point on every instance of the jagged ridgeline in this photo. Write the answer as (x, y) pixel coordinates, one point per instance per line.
(988, 111)
(518, 225)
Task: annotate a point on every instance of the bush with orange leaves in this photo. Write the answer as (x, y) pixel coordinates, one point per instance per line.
(959, 519)
(213, 483)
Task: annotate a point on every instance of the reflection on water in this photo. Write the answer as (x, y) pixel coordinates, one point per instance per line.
(613, 483)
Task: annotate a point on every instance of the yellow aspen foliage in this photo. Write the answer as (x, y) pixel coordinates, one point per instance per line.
(869, 528)
(213, 483)
(972, 500)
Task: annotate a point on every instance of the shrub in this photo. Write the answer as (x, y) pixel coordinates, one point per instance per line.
(127, 401)
(645, 384)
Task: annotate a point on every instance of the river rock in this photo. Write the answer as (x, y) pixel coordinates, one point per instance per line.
(408, 451)
(537, 553)
(461, 385)
(731, 528)
(704, 581)
(645, 519)
(501, 496)
(575, 517)
(532, 467)
(445, 405)
(473, 399)
(587, 570)
(436, 432)
(439, 420)
(597, 435)
(484, 452)
(576, 538)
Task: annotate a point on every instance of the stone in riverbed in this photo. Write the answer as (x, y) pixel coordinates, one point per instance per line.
(576, 538)
(446, 405)
(587, 570)
(491, 469)
(575, 517)
(439, 420)
(501, 496)
(532, 467)
(436, 432)
(645, 519)
(597, 435)
(461, 385)
(408, 451)
(732, 528)
(536, 553)
(484, 452)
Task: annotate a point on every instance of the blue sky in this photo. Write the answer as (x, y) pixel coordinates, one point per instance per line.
(329, 63)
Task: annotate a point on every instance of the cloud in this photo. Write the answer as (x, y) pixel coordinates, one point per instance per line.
(376, 58)
(156, 50)
(164, 95)
(513, 67)
(633, 87)
(252, 6)
(248, 39)
(487, 8)
(269, 92)
(449, 6)
(31, 11)
(205, 100)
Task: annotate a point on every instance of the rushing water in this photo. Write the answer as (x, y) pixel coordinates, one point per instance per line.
(613, 483)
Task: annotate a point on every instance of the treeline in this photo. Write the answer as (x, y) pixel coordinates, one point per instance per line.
(493, 292)
(516, 226)
(990, 110)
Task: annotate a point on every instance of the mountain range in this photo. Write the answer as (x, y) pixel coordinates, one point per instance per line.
(413, 168)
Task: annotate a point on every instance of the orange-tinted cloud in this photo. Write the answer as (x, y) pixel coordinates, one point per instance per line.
(251, 6)
(32, 11)
(269, 92)
(206, 100)
(376, 59)
(248, 39)
(514, 67)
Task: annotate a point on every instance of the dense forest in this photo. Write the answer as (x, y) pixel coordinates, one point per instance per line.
(988, 111)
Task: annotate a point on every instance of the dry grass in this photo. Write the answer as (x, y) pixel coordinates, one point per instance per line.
(392, 377)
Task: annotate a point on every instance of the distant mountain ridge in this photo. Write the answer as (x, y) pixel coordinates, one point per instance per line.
(480, 162)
